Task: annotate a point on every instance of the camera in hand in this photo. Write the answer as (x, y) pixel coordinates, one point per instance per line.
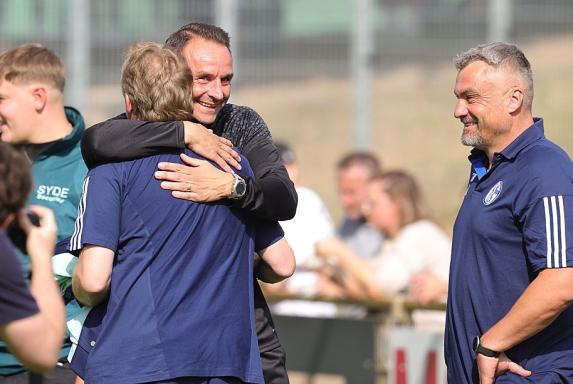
(17, 235)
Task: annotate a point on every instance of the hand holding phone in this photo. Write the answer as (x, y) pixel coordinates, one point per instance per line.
(36, 222)
(17, 235)
(39, 224)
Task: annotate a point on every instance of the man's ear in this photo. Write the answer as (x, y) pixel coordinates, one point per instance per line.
(515, 99)
(40, 97)
(128, 106)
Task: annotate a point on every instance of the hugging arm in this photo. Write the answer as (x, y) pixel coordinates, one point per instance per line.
(121, 139)
(270, 195)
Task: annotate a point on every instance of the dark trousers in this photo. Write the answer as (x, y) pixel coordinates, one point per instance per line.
(274, 366)
(273, 357)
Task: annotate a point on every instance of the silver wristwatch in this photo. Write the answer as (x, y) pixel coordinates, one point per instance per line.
(239, 187)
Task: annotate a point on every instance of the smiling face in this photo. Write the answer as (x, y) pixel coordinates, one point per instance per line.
(211, 65)
(481, 105)
(16, 112)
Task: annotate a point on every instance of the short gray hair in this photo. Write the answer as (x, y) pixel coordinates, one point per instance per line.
(501, 55)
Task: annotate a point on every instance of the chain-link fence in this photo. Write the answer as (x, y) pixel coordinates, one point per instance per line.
(341, 49)
(280, 40)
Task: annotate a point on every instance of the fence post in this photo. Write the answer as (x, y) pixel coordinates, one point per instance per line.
(78, 54)
(499, 20)
(226, 15)
(362, 74)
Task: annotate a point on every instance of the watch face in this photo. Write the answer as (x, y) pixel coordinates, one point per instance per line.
(241, 188)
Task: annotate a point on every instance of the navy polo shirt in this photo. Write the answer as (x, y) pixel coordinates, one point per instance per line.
(516, 220)
(181, 298)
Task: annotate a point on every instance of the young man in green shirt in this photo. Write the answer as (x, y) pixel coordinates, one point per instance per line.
(33, 117)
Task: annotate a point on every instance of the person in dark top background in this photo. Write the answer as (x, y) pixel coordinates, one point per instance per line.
(270, 195)
(31, 318)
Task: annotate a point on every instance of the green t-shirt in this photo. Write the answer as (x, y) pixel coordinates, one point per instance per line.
(58, 174)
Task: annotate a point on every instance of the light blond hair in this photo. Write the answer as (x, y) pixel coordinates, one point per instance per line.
(158, 83)
(30, 63)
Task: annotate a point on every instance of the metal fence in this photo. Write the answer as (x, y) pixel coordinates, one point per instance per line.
(277, 40)
(286, 51)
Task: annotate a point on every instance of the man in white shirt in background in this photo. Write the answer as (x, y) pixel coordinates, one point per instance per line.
(311, 223)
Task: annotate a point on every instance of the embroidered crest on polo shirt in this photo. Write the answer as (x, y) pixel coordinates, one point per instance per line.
(493, 193)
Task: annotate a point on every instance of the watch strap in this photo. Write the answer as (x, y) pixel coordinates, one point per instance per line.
(478, 348)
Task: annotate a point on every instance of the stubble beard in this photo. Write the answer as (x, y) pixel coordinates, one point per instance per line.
(472, 139)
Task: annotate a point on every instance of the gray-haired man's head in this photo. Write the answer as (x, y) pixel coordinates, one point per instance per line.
(501, 56)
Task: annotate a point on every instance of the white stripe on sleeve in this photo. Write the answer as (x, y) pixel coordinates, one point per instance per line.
(563, 236)
(555, 232)
(548, 231)
(76, 240)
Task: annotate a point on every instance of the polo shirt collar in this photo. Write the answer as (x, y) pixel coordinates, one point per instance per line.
(529, 136)
(479, 159)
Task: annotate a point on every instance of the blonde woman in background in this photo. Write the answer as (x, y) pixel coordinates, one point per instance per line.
(415, 257)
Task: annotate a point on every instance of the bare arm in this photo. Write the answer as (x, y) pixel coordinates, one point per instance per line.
(277, 262)
(534, 310)
(92, 275)
(531, 313)
(427, 287)
(36, 340)
(360, 271)
(333, 284)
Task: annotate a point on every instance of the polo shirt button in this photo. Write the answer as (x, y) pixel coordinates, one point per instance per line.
(92, 343)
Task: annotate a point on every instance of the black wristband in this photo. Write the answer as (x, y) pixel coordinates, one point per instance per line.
(478, 348)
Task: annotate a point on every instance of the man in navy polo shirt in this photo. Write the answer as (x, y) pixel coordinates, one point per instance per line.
(510, 278)
(172, 278)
